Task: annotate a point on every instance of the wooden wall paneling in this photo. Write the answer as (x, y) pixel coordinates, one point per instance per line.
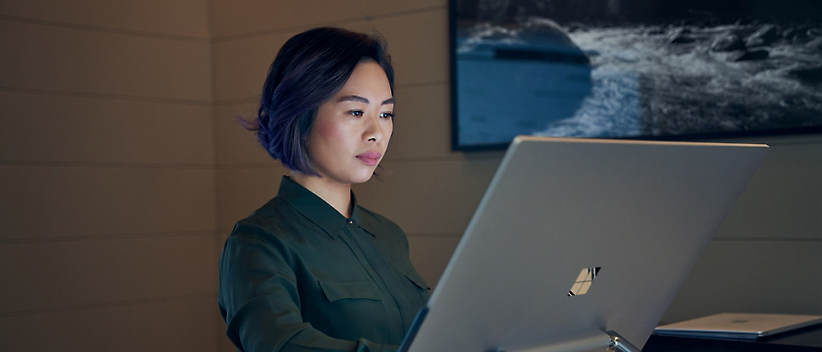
(784, 199)
(178, 18)
(418, 44)
(422, 127)
(237, 146)
(56, 275)
(48, 58)
(386, 8)
(755, 276)
(241, 191)
(58, 202)
(237, 18)
(65, 129)
(171, 325)
(240, 65)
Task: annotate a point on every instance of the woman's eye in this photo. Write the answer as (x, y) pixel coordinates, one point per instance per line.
(387, 115)
(355, 112)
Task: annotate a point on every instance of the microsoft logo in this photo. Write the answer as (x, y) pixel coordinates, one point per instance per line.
(584, 280)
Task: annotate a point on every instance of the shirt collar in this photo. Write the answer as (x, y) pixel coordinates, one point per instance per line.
(360, 217)
(317, 210)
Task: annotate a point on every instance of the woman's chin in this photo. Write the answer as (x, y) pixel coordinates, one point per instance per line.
(363, 178)
(363, 175)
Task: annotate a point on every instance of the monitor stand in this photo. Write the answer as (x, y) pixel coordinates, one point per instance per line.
(596, 341)
(620, 344)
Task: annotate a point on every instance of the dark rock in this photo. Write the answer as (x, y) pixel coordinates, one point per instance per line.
(796, 34)
(753, 43)
(543, 30)
(789, 33)
(728, 42)
(575, 26)
(682, 39)
(750, 55)
(815, 45)
(655, 31)
(762, 37)
(745, 22)
(810, 76)
(681, 36)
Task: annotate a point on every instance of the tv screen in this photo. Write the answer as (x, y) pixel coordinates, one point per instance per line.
(645, 69)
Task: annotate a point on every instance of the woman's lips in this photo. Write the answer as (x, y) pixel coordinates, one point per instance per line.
(370, 158)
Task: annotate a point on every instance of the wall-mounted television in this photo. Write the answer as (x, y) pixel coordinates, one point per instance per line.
(643, 69)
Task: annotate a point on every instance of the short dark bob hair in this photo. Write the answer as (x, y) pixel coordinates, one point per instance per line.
(309, 69)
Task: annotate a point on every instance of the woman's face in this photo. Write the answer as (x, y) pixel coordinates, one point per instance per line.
(351, 130)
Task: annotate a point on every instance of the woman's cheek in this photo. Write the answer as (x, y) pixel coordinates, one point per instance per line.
(328, 130)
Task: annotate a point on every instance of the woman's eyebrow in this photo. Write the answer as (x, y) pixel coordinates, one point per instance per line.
(360, 99)
(356, 98)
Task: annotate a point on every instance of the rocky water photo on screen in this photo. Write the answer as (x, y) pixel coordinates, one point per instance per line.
(634, 68)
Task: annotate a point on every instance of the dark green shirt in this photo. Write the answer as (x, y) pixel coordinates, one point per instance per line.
(296, 275)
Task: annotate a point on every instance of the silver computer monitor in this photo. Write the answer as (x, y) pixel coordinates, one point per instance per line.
(577, 237)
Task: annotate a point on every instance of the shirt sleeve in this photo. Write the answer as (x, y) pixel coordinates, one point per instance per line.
(259, 300)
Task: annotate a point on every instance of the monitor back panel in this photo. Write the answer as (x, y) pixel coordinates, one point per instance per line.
(618, 223)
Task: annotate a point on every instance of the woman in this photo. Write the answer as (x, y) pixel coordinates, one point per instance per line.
(311, 270)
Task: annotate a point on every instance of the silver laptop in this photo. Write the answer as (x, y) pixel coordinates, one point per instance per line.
(580, 240)
(739, 325)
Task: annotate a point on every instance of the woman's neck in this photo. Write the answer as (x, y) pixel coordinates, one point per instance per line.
(338, 195)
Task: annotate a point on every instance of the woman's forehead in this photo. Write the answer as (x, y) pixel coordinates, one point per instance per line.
(368, 80)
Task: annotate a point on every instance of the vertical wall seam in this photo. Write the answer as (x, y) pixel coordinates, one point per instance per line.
(218, 331)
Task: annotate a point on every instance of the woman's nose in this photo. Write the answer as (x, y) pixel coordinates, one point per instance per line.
(373, 131)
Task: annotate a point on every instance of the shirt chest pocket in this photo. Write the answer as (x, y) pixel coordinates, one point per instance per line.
(354, 306)
(423, 288)
(351, 290)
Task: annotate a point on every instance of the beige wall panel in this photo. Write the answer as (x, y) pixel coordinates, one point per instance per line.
(430, 255)
(52, 202)
(82, 61)
(72, 129)
(223, 343)
(422, 127)
(784, 199)
(235, 144)
(77, 273)
(230, 18)
(240, 65)
(179, 17)
(432, 196)
(752, 276)
(418, 44)
(241, 191)
(386, 7)
(185, 325)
